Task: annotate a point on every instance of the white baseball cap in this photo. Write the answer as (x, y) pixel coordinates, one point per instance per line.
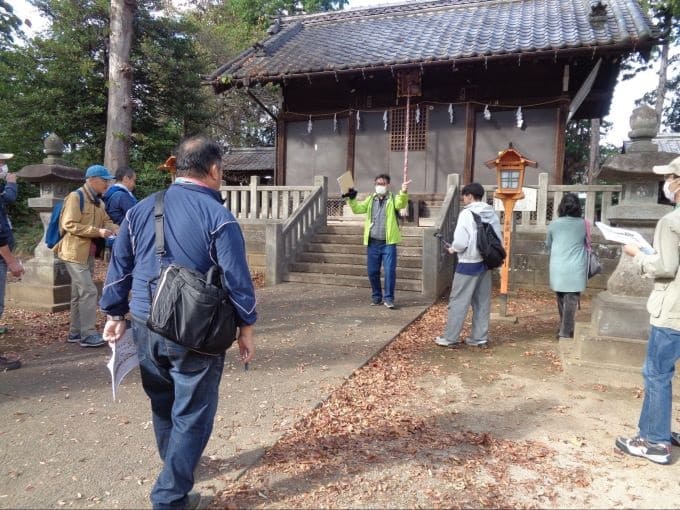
(5, 156)
(671, 168)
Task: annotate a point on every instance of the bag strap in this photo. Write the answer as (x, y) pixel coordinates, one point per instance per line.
(158, 222)
(589, 243)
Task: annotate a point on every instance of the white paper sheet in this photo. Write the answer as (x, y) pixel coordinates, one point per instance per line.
(346, 182)
(123, 360)
(624, 236)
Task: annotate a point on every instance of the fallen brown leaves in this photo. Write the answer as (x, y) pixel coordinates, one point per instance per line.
(29, 329)
(379, 441)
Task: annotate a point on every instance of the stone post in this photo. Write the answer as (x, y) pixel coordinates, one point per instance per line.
(46, 285)
(620, 310)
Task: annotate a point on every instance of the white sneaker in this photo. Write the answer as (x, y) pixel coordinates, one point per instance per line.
(443, 342)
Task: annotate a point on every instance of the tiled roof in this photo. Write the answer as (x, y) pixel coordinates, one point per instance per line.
(668, 142)
(436, 31)
(249, 159)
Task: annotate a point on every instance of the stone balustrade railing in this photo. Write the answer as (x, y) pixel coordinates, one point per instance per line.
(599, 198)
(257, 202)
(284, 240)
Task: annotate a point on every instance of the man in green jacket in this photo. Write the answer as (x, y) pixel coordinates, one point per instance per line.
(381, 234)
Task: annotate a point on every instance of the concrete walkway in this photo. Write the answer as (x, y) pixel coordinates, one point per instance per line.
(65, 443)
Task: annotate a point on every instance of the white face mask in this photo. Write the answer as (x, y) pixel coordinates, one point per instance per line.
(381, 190)
(4, 169)
(670, 195)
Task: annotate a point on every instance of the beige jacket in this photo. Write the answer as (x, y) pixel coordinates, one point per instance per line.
(663, 304)
(80, 228)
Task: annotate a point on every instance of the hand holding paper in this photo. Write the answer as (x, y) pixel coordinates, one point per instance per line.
(625, 236)
(123, 359)
(346, 183)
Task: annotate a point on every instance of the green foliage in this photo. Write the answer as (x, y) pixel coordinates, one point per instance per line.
(577, 152)
(56, 81)
(9, 24)
(28, 231)
(666, 16)
(259, 12)
(149, 180)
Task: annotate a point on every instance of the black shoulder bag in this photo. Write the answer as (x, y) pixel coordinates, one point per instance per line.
(189, 308)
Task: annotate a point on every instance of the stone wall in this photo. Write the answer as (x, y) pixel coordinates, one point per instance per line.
(529, 267)
(254, 236)
(530, 259)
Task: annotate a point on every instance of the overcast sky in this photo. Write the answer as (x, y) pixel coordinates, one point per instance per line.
(621, 108)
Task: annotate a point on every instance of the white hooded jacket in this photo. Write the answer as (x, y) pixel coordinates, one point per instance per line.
(465, 235)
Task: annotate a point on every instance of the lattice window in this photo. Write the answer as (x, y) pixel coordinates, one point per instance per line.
(417, 136)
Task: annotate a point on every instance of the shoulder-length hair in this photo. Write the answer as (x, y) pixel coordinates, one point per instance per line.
(570, 206)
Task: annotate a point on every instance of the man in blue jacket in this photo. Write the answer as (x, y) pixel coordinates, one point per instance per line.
(182, 385)
(119, 198)
(8, 262)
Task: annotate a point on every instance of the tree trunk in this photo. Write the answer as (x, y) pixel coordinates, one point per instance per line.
(663, 71)
(119, 113)
(594, 159)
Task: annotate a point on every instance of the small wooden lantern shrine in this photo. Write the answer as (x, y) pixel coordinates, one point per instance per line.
(510, 166)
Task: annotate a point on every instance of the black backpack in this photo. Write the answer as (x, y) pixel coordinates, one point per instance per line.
(489, 246)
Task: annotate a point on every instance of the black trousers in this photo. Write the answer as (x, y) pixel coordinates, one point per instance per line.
(567, 303)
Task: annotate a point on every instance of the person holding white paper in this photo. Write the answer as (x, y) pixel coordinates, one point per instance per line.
(381, 235)
(654, 438)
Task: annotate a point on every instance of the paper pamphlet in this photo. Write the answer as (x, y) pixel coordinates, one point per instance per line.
(624, 236)
(346, 182)
(123, 360)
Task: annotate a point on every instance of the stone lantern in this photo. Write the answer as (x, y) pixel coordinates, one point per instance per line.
(46, 285)
(615, 339)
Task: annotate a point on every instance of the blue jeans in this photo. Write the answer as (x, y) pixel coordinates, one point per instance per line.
(3, 282)
(663, 350)
(380, 254)
(183, 388)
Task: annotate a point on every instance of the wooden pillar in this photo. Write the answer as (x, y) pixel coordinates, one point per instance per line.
(351, 141)
(560, 141)
(470, 125)
(280, 171)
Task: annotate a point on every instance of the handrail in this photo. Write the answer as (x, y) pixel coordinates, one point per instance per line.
(284, 240)
(437, 262)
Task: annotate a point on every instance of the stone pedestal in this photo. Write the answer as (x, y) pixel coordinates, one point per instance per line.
(612, 346)
(46, 285)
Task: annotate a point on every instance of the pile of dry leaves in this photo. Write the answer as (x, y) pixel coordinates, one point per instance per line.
(380, 441)
(29, 329)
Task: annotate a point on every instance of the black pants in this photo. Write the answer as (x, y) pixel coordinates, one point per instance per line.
(567, 302)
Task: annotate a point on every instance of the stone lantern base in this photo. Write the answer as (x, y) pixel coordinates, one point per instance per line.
(46, 287)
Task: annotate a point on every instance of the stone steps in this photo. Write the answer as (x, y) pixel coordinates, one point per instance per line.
(356, 259)
(350, 280)
(336, 255)
(349, 269)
